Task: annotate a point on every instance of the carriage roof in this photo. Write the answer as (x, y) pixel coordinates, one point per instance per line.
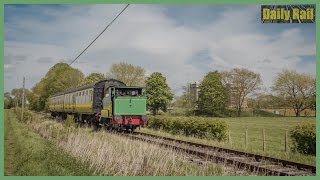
(92, 85)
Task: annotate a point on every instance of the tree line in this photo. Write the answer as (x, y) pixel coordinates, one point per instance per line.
(62, 77)
(217, 90)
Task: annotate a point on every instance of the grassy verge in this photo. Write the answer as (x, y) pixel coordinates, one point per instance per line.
(109, 154)
(28, 154)
(274, 127)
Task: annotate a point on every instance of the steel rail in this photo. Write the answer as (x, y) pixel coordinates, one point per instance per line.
(242, 159)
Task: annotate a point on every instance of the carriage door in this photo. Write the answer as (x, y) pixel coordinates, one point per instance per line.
(97, 98)
(73, 102)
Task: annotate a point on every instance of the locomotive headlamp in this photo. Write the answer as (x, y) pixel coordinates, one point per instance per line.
(118, 118)
(144, 118)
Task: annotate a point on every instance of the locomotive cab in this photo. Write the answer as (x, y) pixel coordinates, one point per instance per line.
(124, 107)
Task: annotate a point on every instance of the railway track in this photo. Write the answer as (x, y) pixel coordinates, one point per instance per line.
(264, 165)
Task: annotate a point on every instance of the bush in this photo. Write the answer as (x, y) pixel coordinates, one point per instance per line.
(191, 126)
(304, 138)
(27, 115)
(70, 122)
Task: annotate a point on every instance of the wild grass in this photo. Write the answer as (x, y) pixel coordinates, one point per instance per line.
(27, 154)
(274, 127)
(112, 155)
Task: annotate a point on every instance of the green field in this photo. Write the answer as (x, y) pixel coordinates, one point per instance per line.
(249, 112)
(274, 128)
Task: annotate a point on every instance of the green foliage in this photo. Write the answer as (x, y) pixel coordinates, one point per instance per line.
(191, 126)
(17, 96)
(304, 138)
(27, 115)
(185, 102)
(158, 93)
(93, 77)
(265, 101)
(212, 97)
(31, 155)
(8, 101)
(299, 90)
(129, 74)
(59, 78)
(70, 122)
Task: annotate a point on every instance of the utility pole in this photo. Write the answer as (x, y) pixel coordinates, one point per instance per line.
(22, 103)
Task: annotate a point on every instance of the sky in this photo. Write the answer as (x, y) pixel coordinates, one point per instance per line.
(183, 42)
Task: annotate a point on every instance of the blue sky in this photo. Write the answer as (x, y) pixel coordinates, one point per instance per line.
(183, 42)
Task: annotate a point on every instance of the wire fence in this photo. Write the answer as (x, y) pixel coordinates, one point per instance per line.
(267, 139)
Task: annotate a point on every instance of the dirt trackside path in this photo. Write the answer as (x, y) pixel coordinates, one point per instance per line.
(8, 145)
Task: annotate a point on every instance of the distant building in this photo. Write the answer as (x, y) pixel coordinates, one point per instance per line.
(194, 91)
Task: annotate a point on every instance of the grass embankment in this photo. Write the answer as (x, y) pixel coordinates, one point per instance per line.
(28, 154)
(274, 127)
(109, 154)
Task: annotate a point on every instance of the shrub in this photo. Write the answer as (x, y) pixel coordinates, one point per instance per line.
(304, 138)
(191, 126)
(70, 122)
(27, 115)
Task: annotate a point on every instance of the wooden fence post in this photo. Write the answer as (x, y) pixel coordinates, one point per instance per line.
(285, 141)
(246, 137)
(264, 139)
(229, 137)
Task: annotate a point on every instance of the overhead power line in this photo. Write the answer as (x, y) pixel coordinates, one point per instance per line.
(100, 33)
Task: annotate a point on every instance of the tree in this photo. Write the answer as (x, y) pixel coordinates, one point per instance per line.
(93, 77)
(158, 93)
(240, 82)
(266, 101)
(59, 78)
(17, 96)
(213, 96)
(299, 90)
(8, 101)
(185, 100)
(129, 74)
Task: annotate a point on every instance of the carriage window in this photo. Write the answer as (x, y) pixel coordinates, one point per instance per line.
(128, 92)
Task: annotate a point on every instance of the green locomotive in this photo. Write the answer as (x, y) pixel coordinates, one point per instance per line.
(107, 103)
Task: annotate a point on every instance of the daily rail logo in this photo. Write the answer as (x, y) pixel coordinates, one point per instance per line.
(288, 13)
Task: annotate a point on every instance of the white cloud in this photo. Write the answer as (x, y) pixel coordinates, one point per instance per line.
(144, 35)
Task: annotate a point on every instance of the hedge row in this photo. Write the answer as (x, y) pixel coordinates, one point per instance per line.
(191, 126)
(304, 138)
